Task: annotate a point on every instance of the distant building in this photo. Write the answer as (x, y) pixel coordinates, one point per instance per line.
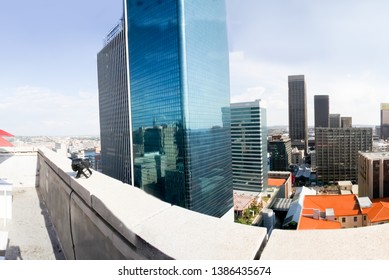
(298, 122)
(313, 160)
(281, 180)
(297, 156)
(322, 111)
(335, 121)
(346, 122)
(384, 132)
(373, 174)
(249, 146)
(280, 150)
(337, 152)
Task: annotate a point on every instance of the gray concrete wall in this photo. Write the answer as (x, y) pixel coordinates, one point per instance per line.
(102, 218)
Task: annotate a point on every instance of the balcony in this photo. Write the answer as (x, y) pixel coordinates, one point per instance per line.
(55, 216)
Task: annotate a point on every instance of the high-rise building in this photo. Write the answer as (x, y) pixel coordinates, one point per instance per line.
(384, 121)
(114, 106)
(337, 152)
(280, 150)
(335, 121)
(176, 58)
(249, 146)
(298, 123)
(322, 110)
(346, 122)
(373, 174)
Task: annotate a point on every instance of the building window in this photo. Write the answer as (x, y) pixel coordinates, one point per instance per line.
(364, 218)
(343, 220)
(355, 219)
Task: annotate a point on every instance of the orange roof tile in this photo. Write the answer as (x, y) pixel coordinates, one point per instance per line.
(379, 211)
(310, 223)
(343, 205)
(273, 182)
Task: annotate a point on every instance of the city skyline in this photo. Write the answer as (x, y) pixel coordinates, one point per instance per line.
(49, 77)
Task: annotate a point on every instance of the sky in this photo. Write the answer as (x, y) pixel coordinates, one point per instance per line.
(48, 68)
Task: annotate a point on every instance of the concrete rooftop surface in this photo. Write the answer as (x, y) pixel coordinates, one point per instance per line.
(31, 234)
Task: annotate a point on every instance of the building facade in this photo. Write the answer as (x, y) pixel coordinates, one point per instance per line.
(280, 150)
(384, 131)
(322, 110)
(114, 106)
(178, 85)
(249, 146)
(337, 152)
(335, 121)
(346, 122)
(373, 174)
(298, 123)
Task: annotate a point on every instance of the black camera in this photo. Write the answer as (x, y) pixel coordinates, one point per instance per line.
(79, 165)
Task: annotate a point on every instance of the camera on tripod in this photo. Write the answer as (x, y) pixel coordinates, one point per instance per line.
(80, 165)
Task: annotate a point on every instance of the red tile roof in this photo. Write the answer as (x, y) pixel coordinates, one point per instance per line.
(310, 223)
(379, 211)
(343, 205)
(273, 182)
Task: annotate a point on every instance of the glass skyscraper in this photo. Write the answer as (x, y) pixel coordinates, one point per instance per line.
(178, 83)
(249, 146)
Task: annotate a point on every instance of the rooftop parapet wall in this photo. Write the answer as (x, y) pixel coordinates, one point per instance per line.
(102, 218)
(365, 243)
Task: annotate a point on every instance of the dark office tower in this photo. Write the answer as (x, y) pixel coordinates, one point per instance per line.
(249, 146)
(298, 124)
(322, 111)
(178, 83)
(346, 122)
(337, 152)
(280, 151)
(113, 101)
(384, 133)
(335, 121)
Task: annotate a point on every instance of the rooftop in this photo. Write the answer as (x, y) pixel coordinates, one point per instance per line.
(56, 216)
(343, 205)
(379, 210)
(102, 218)
(275, 182)
(307, 223)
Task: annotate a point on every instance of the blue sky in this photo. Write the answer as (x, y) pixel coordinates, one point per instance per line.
(48, 72)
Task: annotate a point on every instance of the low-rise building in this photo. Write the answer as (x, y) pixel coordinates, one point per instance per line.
(341, 211)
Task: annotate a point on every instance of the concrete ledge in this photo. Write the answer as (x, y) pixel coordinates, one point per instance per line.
(367, 243)
(102, 218)
(187, 235)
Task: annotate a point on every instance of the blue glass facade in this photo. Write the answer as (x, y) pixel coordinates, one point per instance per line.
(179, 83)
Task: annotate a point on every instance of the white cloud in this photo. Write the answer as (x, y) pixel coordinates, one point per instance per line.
(30, 110)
